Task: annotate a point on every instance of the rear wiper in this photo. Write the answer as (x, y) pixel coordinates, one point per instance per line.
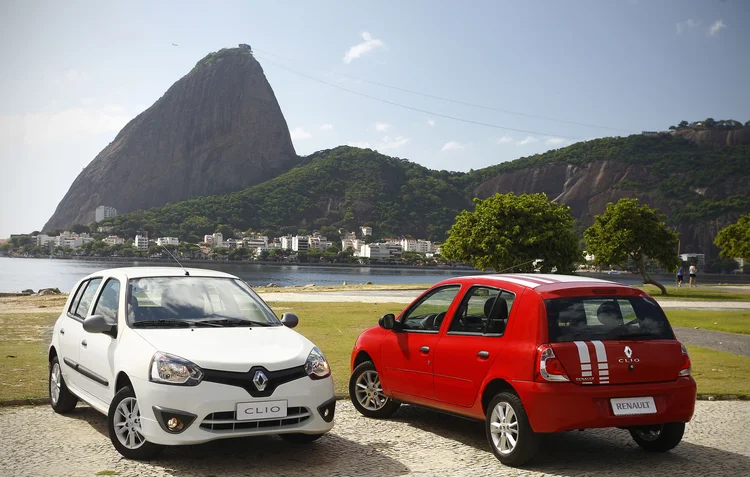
(157, 323)
(635, 334)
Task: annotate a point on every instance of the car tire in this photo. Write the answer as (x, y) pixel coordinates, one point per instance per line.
(509, 433)
(60, 397)
(658, 438)
(124, 415)
(366, 393)
(299, 438)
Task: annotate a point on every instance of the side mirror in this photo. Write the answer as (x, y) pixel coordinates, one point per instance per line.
(97, 324)
(289, 320)
(387, 321)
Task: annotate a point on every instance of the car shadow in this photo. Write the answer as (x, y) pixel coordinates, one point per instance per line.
(591, 452)
(261, 456)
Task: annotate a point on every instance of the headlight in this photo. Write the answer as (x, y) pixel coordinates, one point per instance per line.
(170, 369)
(316, 365)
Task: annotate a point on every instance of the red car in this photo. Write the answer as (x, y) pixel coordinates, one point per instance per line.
(530, 354)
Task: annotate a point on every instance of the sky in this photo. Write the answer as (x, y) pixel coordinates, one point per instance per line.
(521, 77)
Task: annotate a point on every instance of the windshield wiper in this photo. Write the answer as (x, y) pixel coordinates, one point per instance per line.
(234, 322)
(157, 323)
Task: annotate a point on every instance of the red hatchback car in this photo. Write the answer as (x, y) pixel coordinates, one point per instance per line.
(530, 354)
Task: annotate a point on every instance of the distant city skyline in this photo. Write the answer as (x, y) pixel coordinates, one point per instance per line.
(526, 76)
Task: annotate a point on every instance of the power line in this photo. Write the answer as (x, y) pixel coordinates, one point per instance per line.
(464, 103)
(412, 108)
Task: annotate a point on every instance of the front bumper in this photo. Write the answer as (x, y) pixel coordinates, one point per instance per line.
(555, 407)
(214, 406)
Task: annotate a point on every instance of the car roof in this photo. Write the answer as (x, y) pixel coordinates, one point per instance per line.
(540, 282)
(145, 272)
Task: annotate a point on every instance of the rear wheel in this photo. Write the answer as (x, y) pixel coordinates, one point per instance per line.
(659, 438)
(366, 392)
(124, 423)
(299, 438)
(508, 430)
(60, 398)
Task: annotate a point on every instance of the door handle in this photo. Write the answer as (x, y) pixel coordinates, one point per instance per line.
(424, 349)
(62, 331)
(483, 354)
(83, 343)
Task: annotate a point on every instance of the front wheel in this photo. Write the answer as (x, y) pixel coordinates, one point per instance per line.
(124, 423)
(366, 392)
(60, 397)
(659, 438)
(299, 438)
(508, 430)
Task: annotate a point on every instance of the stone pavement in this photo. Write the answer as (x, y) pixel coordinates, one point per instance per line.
(37, 442)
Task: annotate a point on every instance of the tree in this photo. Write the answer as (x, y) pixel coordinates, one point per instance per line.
(672, 128)
(628, 230)
(734, 240)
(709, 122)
(80, 228)
(512, 231)
(683, 124)
(723, 265)
(226, 231)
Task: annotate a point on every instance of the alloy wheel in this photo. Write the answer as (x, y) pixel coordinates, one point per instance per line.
(369, 392)
(504, 428)
(54, 383)
(127, 423)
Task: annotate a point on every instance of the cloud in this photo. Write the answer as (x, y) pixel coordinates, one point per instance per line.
(65, 125)
(393, 143)
(360, 144)
(686, 25)
(555, 141)
(382, 127)
(526, 140)
(431, 122)
(504, 140)
(356, 51)
(451, 146)
(716, 27)
(75, 75)
(326, 127)
(300, 133)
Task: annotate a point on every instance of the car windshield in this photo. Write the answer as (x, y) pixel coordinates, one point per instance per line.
(606, 318)
(195, 301)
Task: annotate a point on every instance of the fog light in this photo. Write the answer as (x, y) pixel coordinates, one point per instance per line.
(175, 424)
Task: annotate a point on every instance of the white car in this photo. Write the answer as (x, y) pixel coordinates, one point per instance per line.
(183, 356)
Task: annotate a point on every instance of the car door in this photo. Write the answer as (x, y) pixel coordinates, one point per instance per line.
(69, 338)
(407, 354)
(75, 336)
(97, 349)
(472, 342)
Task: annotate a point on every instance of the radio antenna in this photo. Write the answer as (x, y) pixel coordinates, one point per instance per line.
(187, 274)
(520, 265)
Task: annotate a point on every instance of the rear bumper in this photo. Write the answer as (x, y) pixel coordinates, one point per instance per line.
(555, 407)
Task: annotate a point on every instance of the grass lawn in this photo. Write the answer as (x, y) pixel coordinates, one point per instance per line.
(708, 292)
(731, 321)
(332, 326)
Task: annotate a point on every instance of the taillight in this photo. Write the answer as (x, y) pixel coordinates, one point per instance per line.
(550, 368)
(685, 369)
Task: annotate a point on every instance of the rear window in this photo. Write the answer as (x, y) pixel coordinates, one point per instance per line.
(602, 318)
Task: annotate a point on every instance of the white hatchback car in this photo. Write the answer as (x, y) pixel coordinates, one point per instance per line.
(175, 356)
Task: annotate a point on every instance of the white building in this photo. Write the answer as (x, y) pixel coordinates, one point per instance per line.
(208, 239)
(105, 212)
(417, 245)
(214, 240)
(366, 231)
(355, 244)
(395, 249)
(375, 251)
(72, 240)
(113, 240)
(43, 240)
(300, 243)
(168, 241)
(318, 242)
(286, 242)
(698, 259)
(141, 243)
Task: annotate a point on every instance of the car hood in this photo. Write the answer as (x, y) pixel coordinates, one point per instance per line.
(232, 348)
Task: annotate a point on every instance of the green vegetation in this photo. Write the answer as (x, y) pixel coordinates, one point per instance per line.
(347, 187)
(24, 338)
(708, 292)
(510, 230)
(212, 58)
(730, 321)
(717, 372)
(627, 230)
(734, 240)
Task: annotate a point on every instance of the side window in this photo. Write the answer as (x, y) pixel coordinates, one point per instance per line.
(82, 308)
(77, 298)
(483, 310)
(429, 313)
(109, 301)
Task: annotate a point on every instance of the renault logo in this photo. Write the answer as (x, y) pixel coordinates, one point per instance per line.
(260, 380)
(628, 352)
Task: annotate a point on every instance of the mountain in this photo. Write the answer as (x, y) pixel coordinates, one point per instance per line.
(218, 129)
(701, 188)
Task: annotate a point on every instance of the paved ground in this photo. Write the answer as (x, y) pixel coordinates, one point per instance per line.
(717, 340)
(37, 442)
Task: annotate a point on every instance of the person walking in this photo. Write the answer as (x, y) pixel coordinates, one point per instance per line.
(679, 277)
(693, 271)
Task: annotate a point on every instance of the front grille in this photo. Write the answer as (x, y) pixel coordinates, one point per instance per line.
(226, 421)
